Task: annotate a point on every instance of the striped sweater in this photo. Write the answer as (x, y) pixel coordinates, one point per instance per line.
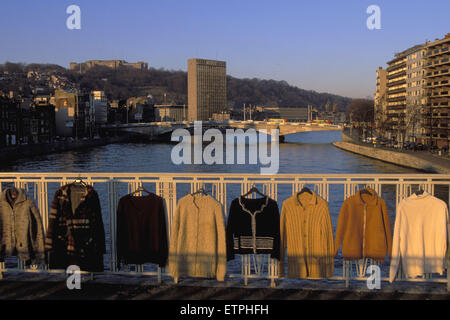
(307, 233)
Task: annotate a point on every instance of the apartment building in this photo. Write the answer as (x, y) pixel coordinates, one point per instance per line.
(402, 108)
(437, 92)
(380, 102)
(207, 88)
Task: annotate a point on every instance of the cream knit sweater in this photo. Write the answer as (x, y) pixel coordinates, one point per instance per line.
(197, 239)
(420, 236)
(307, 233)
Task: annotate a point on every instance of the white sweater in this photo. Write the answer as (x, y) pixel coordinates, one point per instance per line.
(197, 239)
(420, 236)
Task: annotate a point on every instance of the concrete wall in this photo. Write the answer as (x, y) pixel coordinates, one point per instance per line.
(401, 159)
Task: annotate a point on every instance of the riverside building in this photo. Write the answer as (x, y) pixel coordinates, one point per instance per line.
(437, 76)
(207, 88)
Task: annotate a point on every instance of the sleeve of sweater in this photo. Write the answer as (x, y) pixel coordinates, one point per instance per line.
(99, 228)
(221, 243)
(387, 228)
(36, 235)
(121, 237)
(163, 246)
(230, 231)
(328, 244)
(341, 227)
(173, 243)
(276, 236)
(440, 233)
(283, 238)
(395, 255)
(52, 222)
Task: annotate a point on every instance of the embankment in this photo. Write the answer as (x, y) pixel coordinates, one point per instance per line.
(419, 161)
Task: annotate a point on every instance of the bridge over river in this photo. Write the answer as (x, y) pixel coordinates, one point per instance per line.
(163, 130)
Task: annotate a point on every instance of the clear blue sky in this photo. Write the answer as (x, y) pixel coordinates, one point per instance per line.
(315, 45)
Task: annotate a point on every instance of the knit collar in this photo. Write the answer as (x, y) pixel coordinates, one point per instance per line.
(421, 196)
(198, 197)
(310, 200)
(256, 211)
(367, 199)
(21, 196)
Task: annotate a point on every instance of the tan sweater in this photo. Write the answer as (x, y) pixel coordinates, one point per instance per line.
(197, 239)
(307, 233)
(363, 228)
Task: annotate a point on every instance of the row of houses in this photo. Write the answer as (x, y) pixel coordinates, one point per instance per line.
(45, 117)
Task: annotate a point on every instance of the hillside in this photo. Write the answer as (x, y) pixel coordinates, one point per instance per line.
(125, 83)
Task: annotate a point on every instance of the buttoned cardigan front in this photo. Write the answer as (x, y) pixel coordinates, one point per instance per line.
(197, 239)
(307, 233)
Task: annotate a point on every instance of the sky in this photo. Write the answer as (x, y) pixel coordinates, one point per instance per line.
(317, 45)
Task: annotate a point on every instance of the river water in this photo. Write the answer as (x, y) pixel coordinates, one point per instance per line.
(310, 152)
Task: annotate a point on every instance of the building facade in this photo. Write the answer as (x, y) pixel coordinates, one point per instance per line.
(112, 64)
(437, 92)
(207, 92)
(380, 101)
(401, 112)
(74, 115)
(291, 114)
(99, 104)
(171, 113)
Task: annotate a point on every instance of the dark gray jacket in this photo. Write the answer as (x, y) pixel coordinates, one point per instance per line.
(21, 232)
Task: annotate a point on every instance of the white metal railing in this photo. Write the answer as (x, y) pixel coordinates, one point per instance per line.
(334, 188)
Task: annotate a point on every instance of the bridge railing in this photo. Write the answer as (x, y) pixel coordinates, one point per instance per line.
(334, 188)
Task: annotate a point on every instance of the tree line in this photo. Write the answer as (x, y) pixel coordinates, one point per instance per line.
(171, 86)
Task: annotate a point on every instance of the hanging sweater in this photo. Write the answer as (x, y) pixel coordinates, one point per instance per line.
(253, 227)
(141, 230)
(197, 239)
(21, 232)
(75, 234)
(363, 228)
(307, 233)
(420, 236)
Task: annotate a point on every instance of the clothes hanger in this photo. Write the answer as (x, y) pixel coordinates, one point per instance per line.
(365, 191)
(304, 189)
(419, 192)
(80, 182)
(201, 190)
(140, 189)
(253, 189)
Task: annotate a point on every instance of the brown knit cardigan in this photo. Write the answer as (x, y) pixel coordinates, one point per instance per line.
(364, 228)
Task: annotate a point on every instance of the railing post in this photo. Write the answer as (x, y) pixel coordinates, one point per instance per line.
(112, 205)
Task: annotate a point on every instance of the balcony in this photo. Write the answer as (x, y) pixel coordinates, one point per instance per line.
(398, 82)
(397, 107)
(397, 99)
(396, 75)
(437, 52)
(437, 84)
(398, 90)
(437, 73)
(396, 66)
(334, 188)
(435, 63)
